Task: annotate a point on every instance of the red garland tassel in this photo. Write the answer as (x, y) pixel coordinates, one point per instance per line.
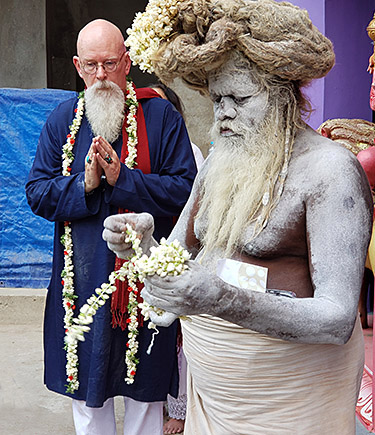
(120, 298)
(120, 301)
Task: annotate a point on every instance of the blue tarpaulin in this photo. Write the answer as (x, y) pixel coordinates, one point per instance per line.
(25, 239)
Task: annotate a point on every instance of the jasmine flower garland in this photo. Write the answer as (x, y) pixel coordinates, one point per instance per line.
(166, 259)
(132, 103)
(163, 260)
(148, 31)
(67, 273)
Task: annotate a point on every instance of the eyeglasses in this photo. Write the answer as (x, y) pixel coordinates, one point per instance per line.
(109, 66)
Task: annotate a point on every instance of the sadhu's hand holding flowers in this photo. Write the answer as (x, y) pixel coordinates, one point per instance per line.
(127, 235)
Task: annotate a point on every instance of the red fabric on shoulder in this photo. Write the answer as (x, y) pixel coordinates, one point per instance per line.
(143, 93)
(120, 298)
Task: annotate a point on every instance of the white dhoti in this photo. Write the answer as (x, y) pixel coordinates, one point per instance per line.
(243, 382)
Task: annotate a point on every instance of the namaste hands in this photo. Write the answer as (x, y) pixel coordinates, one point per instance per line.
(101, 158)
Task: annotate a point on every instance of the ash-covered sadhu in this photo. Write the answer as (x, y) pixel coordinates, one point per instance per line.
(278, 224)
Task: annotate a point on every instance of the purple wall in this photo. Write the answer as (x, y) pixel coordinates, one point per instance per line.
(315, 91)
(348, 84)
(344, 92)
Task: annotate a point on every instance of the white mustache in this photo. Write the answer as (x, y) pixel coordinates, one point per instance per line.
(237, 127)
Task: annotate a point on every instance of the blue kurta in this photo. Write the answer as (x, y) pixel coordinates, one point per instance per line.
(57, 198)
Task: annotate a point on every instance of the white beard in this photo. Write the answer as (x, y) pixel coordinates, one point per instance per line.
(242, 168)
(105, 109)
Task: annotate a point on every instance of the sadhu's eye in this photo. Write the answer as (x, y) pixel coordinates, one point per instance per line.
(240, 100)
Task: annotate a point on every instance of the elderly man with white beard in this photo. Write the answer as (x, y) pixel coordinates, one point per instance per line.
(278, 225)
(114, 149)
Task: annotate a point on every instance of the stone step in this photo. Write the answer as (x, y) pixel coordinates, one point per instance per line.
(22, 306)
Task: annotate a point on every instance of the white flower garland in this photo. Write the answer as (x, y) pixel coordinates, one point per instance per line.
(166, 259)
(149, 29)
(132, 103)
(67, 273)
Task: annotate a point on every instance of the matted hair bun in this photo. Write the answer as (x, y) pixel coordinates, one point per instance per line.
(278, 37)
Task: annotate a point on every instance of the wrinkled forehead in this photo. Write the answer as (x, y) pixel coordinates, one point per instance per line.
(233, 79)
(104, 49)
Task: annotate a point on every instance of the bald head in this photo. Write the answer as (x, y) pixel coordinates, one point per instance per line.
(99, 43)
(99, 35)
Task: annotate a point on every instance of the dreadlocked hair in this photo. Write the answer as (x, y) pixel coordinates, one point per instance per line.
(277, 36)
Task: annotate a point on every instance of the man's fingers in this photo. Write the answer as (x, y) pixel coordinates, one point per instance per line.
(168, 282)
(121, 251)
(106, 154)
(156, 296)
(149, 298)
(142, 223)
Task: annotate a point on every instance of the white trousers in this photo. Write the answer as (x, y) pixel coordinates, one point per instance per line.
(141, 418)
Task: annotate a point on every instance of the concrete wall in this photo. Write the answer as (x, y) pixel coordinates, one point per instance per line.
(22, 44)
(198, 115)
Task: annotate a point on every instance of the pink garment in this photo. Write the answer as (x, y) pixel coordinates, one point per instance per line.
(372, 92)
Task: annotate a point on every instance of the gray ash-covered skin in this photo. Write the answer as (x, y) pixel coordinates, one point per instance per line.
(314, 244)
(272, 193)
(252, 58)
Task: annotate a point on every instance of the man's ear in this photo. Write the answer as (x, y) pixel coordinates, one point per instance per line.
(128, 63)
(77, 65)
